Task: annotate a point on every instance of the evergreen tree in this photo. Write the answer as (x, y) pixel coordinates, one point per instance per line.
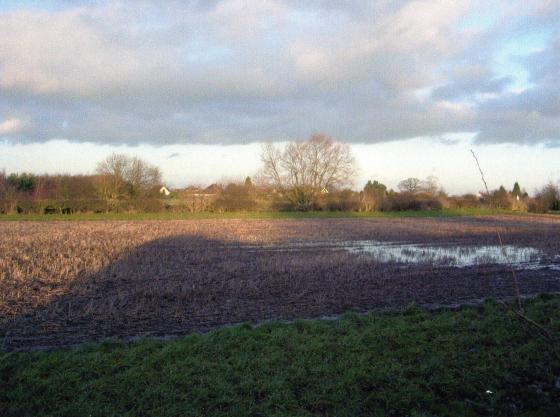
(248, 182)
(516, 189)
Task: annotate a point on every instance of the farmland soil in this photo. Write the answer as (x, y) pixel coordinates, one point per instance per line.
(64, 283)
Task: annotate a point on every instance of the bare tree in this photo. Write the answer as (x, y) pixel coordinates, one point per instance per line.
(410, 185)
(549, 197)
(111, 173)
(141, 176)
(119, 175)
(3, 185)
(6, 194)
(430, 185)
(303, 169)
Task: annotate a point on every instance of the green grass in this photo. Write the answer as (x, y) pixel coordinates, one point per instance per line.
(414, 363)
(254, 215)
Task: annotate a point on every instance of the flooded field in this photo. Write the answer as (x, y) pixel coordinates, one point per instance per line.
(68, 282)
(415, 253)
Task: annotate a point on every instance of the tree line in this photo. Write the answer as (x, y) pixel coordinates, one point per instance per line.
(315, 174)
(120, 182)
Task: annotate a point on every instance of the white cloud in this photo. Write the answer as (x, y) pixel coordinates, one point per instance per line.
(245, 18)
(65, 53)
(11, 126)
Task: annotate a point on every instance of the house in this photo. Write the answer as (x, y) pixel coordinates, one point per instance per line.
(213, 189)
(163, 190)
(194, 191)
(324, 190)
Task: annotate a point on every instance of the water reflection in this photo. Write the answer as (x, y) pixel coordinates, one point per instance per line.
(442, 255)
(458, 256)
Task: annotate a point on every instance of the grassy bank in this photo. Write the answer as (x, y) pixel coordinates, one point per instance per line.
(254, 215)
(473, 361)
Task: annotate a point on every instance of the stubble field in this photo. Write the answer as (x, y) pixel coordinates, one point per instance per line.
(63, 283)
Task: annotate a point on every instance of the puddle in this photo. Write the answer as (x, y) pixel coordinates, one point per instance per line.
(457, 256)
(415, 253)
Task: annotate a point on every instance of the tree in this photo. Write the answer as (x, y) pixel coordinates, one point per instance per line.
(111, 173)
(430, 185)
(516, 191)
(549, 196)
(73, 187)
(236, 197)
(248, 184)
(374, 194)
(500, 198)
(6, 193)
(23, 182)
(303, 169)
(142, 177)
(120, 176)
(410, 185)
(3, 185)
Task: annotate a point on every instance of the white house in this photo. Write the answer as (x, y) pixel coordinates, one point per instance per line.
(163, 190)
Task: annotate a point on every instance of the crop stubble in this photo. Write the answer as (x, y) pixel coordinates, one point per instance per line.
(67, 282)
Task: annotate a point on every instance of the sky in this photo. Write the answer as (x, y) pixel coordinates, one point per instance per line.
(196, 87)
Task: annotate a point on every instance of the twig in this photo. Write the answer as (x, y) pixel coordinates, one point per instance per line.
(481, 173)
(519, 311)
(547, 334)
(504, 252)
(513, 273)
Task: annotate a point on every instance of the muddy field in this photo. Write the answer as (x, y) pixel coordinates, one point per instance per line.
(63, 283)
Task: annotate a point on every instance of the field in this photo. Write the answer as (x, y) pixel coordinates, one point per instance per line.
(64, 283)
(264, 215)
(476, 361)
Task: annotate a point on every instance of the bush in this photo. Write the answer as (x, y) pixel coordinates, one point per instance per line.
(466, 201)
(236, 197)
(549, 197)
(414, 202)
(346, 200)
(60, 206)
(501, 199)
(148, 205)
(536, 205)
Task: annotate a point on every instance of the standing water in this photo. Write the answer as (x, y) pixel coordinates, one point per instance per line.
(417, 253)
(458, 256)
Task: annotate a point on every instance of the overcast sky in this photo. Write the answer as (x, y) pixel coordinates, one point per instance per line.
(196, 86)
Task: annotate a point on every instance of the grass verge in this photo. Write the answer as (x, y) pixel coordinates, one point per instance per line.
(255, 215)
(467, 362)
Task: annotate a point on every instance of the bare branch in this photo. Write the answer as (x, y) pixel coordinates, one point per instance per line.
(303, 168)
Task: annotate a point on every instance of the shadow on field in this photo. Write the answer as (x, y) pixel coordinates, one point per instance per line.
(188, 283)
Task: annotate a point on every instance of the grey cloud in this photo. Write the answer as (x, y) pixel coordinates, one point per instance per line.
(532, 115)
(471, 83)
(176, 72)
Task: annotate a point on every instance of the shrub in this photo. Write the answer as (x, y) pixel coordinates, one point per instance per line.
(236, 197)
(408, 201)
(549, 197)
(346, 200)
(466, 201)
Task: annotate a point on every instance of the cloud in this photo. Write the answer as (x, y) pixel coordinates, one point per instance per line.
(11, 126)
(470, 81)
(234, 71)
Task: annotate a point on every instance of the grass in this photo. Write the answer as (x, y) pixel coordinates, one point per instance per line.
(413, 363)
(255, 215)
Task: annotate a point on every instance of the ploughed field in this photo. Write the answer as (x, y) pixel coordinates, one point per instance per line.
(63, 283)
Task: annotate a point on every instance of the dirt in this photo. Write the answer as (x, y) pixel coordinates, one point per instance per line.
(63, 283)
